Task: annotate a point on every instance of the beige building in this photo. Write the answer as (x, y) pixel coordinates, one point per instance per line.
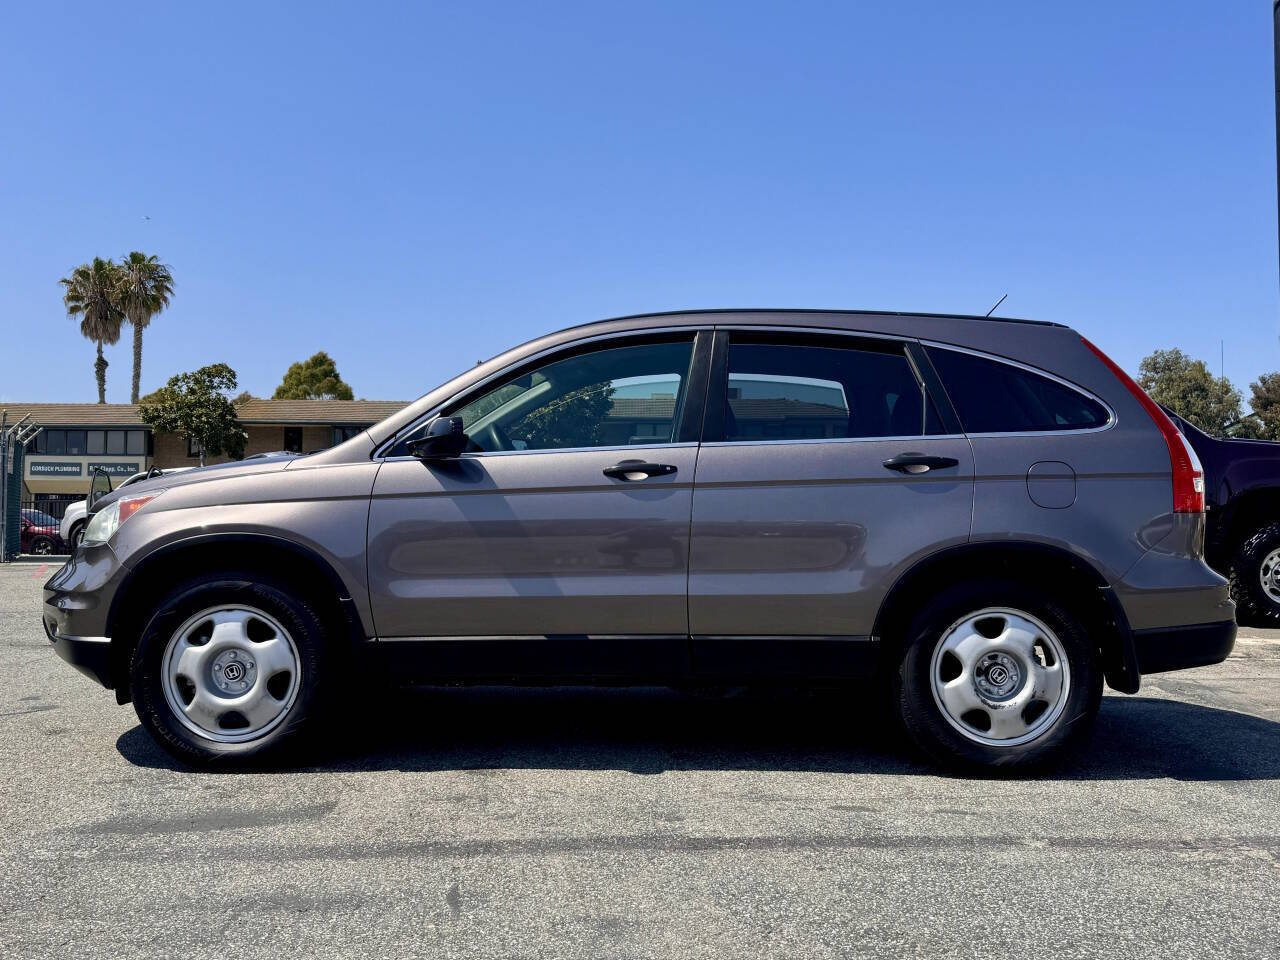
(78, 437)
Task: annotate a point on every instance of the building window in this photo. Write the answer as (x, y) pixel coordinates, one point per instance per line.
(293, 439)
(92, 443)
(193, 447)
(343, 434)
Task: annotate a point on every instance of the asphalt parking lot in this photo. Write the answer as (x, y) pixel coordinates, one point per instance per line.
(593, 823)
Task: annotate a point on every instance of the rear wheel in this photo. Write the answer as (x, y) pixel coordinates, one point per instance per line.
(42, 546)
(1255, 577)
(997, 674)
(230, 666)
(77, 534)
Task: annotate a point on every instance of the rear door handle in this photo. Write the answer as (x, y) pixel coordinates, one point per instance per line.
(919, 463)
(632, 470)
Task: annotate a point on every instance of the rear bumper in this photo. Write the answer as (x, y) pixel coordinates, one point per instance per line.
(1179, 648)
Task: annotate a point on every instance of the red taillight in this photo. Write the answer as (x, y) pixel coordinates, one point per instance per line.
(1188, 477)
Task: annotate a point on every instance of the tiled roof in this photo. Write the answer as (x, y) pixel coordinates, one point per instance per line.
(779, 408)
(643, 408)
(75, 414)
(748, 408)
(317, 411)
(355, 412)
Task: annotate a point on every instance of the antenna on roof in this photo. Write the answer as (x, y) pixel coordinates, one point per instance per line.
(997, 303)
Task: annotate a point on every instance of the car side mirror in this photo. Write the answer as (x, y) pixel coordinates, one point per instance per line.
(443, 440)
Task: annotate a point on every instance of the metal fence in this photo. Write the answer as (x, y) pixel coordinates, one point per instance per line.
(13, 438)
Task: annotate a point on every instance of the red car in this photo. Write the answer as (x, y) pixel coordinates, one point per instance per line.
(39, 533)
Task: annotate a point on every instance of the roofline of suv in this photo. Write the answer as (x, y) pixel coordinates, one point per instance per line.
(819, 311)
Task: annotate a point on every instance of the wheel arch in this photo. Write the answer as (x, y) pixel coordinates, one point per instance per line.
(1040, 563)
(1244, 515)
(161, 570)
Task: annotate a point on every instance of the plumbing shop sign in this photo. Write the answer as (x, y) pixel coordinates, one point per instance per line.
(52, 468)
(116, 469)
(74, 468)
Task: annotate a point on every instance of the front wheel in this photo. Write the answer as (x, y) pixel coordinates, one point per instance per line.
(230, 666)
(77, 534)
(997, 674)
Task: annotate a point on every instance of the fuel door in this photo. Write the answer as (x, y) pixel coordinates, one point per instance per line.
(1051, 484)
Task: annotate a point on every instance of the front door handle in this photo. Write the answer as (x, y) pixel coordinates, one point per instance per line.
(919, 463)
(632, 470)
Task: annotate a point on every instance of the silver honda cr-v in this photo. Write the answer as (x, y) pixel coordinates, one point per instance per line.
(985, 517)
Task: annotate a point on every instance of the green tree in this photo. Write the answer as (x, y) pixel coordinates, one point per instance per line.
(145, 288)
(1265, 400)
(198, 406)
(574, 420)
(313, 379)
(1187, 388)
(90, 293)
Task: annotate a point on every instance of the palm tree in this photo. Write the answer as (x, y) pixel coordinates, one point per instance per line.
(145, 288)
(91, 295)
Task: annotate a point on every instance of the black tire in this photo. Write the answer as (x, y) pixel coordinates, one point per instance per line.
(296, 614)
(76, 535)
(923, 719)
(42, 546)
(1253, 604)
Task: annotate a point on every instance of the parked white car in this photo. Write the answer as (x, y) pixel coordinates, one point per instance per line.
(72, 526)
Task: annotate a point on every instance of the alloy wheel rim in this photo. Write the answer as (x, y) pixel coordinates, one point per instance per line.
(1269, 575)
(230, 673)
(1000, 677)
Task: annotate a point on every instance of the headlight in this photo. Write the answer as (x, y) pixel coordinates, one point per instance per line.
(106, 522)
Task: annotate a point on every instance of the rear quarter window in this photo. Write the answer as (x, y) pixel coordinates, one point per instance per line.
(995, 397)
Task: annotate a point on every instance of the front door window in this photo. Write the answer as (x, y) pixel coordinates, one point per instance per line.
(610, 397)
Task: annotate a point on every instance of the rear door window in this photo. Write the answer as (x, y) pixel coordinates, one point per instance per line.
(782, 389)
(995, 397)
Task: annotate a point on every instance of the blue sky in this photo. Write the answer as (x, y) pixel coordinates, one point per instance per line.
(413, 187)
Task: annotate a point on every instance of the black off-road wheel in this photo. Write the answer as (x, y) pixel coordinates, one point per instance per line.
(232, 667)
(997, 675)
(1255, 577)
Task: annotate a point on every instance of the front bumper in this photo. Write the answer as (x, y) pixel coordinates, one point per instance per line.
(1179, 648)
(90, 655)
(77, 601)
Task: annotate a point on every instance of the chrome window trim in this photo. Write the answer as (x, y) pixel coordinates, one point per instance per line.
(1061, 381)
(614, 448)
(908, 439)
(390, 442)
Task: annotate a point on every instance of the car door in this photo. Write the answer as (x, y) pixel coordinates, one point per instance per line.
(559, 543)
(827, 469)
